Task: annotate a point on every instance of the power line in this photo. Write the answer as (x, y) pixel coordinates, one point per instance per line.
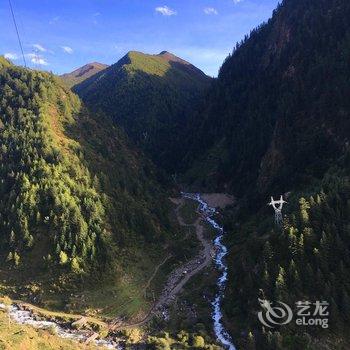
(18, 37)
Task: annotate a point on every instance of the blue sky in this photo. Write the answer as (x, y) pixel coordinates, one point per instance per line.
(61, 35)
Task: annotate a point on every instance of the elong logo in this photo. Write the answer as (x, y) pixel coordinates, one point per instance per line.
(307, 314)
(274, 316)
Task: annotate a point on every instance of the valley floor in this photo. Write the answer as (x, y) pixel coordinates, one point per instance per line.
(189, 219)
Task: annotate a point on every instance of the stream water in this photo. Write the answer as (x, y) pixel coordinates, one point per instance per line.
(221, 251)
(26, 317)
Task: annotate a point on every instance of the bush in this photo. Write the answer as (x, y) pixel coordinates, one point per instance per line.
(198, 341)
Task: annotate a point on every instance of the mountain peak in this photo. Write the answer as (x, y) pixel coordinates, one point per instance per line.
(88, 67)
(170, 57)
(82, 73)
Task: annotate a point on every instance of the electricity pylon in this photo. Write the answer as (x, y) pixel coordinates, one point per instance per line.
(277, 206)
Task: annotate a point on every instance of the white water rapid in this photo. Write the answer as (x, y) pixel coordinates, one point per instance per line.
(221, 252)
(26, 317)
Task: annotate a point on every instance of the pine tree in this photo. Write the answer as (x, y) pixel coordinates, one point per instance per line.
(280, 284)
(16, 259)
(63, 258)
(304, 207)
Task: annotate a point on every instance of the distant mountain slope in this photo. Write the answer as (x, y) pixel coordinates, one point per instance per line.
(278, 115)
(82, 73)
(151, 97)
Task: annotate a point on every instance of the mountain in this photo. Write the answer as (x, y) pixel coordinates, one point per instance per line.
(77, 201)
(82, 73)
(151, 98)
(277, 116)
(276, 121)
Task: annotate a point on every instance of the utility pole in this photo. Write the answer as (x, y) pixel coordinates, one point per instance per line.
(37, 59)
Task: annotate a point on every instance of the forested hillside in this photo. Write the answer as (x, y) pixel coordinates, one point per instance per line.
(151, 97)
(277, 122)
(72, 191)
(278, 115)
(305, 260)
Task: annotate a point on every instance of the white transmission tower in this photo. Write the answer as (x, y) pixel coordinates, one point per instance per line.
(277, 206)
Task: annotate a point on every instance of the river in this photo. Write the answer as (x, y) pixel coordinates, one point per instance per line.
(221, 251)
(26, 317)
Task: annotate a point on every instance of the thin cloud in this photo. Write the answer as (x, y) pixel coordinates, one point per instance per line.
(237, 1)
(39, 47)
(166, 11)
(95, 15)
(210, 11)
(11, 56)
(36, 59)
(39, 60)
(54, 20)
(67, 49)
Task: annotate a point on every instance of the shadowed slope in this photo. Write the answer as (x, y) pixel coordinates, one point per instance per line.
(151, 97)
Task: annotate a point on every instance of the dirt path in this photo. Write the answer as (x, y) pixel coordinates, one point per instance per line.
(179, 277)
(155, 272)
(182, 275)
